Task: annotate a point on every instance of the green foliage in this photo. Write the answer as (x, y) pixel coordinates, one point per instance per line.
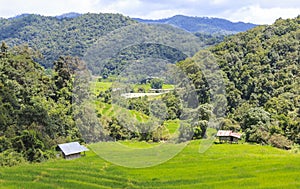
(74, 36)
(35, 109)
(186, 132)
(10, 158)
(260, 69)
(174, 105)
(200, 129)
(255, 116)
(118, 132)
(140, 104)
(139, 52)
(280, 141)
(211, 39)
(156, 83)
(229, 124)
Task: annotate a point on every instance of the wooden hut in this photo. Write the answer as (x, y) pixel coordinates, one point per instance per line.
(228, 136)
(72, 150)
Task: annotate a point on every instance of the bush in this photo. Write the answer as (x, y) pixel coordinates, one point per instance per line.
(11, 158)
(186, 132)
(156, 83)
(4, 144)
(279, 141)
(228, 124)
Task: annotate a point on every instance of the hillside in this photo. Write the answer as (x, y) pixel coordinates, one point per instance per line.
(141, 43)
(202, 24)
(74, 34)
(222, 166)
(63, 35)
(261, 72)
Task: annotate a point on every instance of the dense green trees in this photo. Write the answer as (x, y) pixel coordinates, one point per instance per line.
(173, 104)
(256, 123)
(156, 83)
(259, 91)
(75, 36)
(261, 74)
(36, 111)
(55, 37)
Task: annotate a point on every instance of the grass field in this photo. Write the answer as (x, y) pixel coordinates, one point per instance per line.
(101, 86)
(97, 87)
(221, 166)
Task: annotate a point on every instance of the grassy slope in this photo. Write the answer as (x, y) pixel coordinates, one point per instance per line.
(97, 87)
(108, 110)
(222, 166)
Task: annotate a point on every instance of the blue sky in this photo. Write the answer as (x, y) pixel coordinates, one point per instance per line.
(255, 11)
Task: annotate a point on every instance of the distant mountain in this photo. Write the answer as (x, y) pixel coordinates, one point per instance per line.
(19, 16)
(66, 15)
(72, 34)
(202, 24)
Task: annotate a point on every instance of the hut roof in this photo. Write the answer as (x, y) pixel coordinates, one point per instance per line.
(236, 135)
(224, 133)
(227, 133)
(72, 148)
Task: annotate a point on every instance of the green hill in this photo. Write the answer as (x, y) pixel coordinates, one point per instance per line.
(55, 37)
(221, 166)
(73, 34)
(261, 70)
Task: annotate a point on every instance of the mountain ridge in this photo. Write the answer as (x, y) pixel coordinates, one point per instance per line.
(202, 24)
(68, 34)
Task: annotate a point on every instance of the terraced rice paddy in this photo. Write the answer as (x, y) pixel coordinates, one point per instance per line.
(221, 166)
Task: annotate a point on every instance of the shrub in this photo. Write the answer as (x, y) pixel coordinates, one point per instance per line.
(11, 158)
(279, 141)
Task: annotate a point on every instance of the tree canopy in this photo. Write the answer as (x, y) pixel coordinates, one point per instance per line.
(261, 70)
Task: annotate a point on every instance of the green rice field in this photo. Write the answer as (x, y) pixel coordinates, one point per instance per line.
(221, 166)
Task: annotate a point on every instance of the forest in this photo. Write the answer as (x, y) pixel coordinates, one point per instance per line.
(54, 37)
(36, 106)
(261, 71)
(71, 35)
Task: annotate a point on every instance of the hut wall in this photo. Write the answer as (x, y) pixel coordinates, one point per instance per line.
(224, 138)
(73, 156)
(235, 140)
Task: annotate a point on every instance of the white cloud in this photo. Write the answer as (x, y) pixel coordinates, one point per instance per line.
(53, 7)
(163, 14)
(218, 2)
(258, 15)
(120, 6)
